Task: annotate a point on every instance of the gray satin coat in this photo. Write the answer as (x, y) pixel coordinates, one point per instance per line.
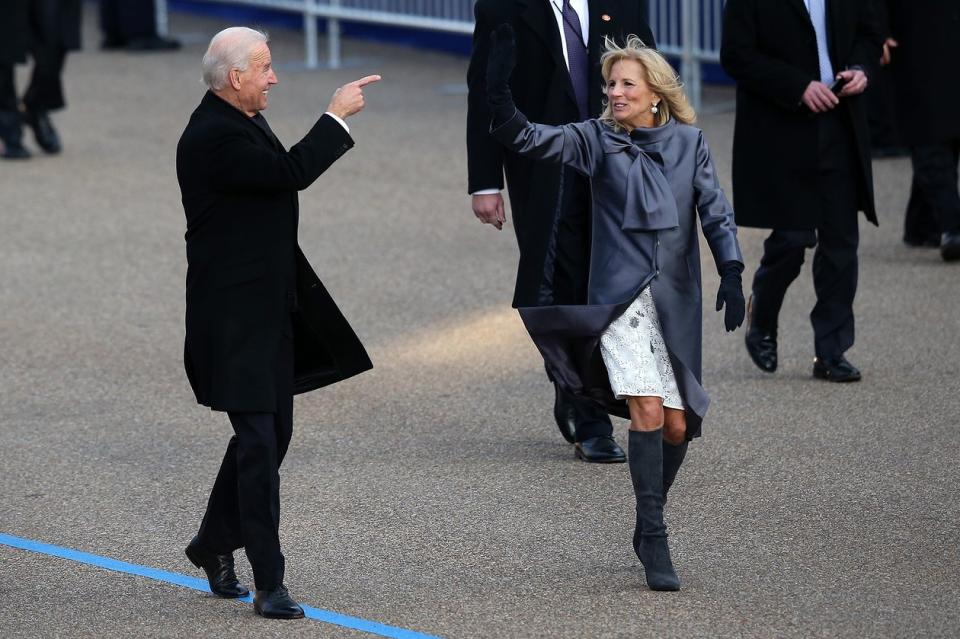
(647, 192)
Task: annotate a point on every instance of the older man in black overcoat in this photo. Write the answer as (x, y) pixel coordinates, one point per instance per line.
(801, 159)
(556, 81)
(259, 325)
(45, 30)
(924, 59)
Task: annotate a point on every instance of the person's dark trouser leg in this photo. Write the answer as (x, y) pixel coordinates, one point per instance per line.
(258, 488)
(11, 122)
(45, 92)
(783, 253)
(136, 19)
(835, 259)
(110, 24)
(244, 505)
(8, 89)
(220, 530)
(571, 262)
(919, 224)
(935, 174)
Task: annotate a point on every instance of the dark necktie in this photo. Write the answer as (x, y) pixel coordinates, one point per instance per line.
(576, 58)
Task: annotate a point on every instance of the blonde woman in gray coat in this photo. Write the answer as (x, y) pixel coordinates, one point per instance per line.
(635, 346)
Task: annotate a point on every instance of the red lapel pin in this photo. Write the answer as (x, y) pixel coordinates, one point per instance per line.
(605, 18)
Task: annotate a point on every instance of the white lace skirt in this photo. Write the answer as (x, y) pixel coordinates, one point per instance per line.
(636, 357)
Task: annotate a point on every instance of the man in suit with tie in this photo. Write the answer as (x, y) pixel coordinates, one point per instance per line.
(260, 327)
(801, 159)
(556, 81)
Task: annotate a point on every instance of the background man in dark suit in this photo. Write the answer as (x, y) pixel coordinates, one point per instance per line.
(801, 159)
(46, 30)
(260, 326)
(924, 65)
(132, 25)
(556, 81)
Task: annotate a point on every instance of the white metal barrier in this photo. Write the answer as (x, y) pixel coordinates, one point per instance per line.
(687, 29)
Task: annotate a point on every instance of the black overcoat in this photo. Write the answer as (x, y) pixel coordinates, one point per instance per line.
(542, 89)
(769, 48)
(925, 68)
(57, 22)
(245, 272)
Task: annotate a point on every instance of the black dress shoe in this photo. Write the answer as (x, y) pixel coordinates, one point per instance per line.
(762, 346)
(276, 604)
(835, 369)
(11, 134)
(15, 152)
(950, 246)
(761, 343)
(565, 413)
(43, 130)
(219, 569)
(600, 450)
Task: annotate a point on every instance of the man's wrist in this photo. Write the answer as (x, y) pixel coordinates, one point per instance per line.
(339, 119)
(486, 192)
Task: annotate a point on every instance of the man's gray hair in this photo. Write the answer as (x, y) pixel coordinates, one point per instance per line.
(230, 49)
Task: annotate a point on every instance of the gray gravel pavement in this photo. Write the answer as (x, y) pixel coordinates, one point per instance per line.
(434, 492)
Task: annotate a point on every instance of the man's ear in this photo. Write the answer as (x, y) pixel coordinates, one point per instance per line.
(235, 79)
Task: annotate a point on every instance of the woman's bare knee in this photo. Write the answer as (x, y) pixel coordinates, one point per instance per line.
(646, 413)
(674, 426)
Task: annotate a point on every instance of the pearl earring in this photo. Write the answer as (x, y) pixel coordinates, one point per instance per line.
(653, 108)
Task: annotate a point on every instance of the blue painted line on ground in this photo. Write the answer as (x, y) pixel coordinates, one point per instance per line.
(194, 583)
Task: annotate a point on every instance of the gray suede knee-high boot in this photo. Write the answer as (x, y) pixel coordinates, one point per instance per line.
(672, 458)
(650, 537)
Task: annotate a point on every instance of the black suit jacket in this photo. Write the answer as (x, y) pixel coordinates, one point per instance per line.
(542, 90)
(245, 272)
(769, 47)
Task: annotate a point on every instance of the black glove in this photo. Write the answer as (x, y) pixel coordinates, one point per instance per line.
(500, 63)
(731, 294)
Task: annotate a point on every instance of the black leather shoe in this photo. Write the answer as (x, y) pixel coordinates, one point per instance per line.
(11, 133)
(950, 246)
(600, 450)
(761, 343)
(565, 413)
(219, 569)
(835, 369)
(762, 346)
(15, 152)
(43, 131)
(276, 604)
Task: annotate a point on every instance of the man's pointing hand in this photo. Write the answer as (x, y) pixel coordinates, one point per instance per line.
(348, 99)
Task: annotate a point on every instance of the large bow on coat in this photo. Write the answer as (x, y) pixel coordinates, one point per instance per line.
(650, 204)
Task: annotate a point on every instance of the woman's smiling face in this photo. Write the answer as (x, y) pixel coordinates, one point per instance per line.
(630, 96)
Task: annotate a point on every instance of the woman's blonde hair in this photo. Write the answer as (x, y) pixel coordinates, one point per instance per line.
(659, 75)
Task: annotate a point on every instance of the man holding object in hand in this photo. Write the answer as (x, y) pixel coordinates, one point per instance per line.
(801, 159)
(260, 327)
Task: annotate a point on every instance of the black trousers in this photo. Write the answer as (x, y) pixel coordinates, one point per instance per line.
(244, 506)
(45, 91)
(835, 237)
(934, 205)
(570, 275)
(124, 20)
